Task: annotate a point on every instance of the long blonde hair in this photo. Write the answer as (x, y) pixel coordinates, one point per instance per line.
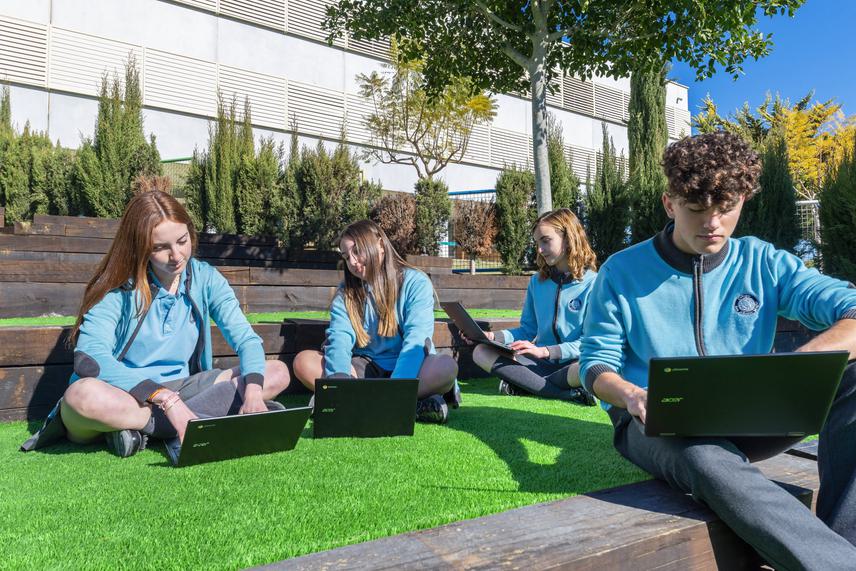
(384, 277)
(128, 256)
(579, 254)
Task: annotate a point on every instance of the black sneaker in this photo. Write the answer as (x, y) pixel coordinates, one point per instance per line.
(581, 396)
(124, 443)
(432, 409)
(506, 388)
(453, 396)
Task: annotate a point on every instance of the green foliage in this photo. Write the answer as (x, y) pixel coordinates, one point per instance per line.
(432, 130)
(564, 183)
(258, 191)
(21, 173)
(119, 152)
(330, 195)
(772, 213)
(231, 187)
(433, 209)
(515, 215)
(5, 113)
(607, 206)
(838, 219)
(647, 135)
(490, 41)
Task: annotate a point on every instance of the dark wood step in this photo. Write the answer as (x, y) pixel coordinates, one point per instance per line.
(636, 527)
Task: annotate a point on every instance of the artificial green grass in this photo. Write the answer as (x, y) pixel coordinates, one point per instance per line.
(77, 506)
(274, 317)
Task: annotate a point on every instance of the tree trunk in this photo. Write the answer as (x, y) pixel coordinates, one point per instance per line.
(538, 84)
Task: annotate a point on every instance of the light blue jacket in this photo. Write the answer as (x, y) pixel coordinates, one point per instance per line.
(553, 314)
(403, 353)
(109, 329)
(652, 300)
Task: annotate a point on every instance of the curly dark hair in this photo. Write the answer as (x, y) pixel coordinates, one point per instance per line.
(713, 168)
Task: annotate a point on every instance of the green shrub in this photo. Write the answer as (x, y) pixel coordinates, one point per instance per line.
(330, 195)
(607, 208)
(119, 152)
(647, 136)
(433, 209)
(838, 219)
(515, 190)
(564, 183)
(772, 213)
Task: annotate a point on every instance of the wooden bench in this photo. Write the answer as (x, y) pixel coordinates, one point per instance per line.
(36, 363)
(635, 527)
(44, 267)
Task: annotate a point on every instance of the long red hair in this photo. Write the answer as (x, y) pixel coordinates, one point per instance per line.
(127, 260)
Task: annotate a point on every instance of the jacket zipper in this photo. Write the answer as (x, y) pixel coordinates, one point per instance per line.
(556, 311)
(698, 297)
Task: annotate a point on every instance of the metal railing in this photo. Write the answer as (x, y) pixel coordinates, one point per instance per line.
(450, 248)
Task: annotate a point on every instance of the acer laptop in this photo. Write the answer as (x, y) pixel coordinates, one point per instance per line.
(235, 436)
(779, 394)
(364, 407)
(471, 329)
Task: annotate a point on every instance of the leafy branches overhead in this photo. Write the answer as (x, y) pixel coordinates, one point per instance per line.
(509, 46)
(409, 127)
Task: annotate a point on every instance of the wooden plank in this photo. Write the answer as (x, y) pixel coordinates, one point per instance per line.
(295, 277)
(51, 257)
(640, 526)
(36, 412)
(46, 272)
(25, 387)
(35, 299)
(54, 244)
(287, 298)
(462, 281)
(429, 261)
(480, 299)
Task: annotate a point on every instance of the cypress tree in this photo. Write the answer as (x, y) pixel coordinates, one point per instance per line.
(772, 213)
(433, 209)
(564, 183)
(647, 136)
(838, 219)
(515, 192)
(607, 208)
(119, 152)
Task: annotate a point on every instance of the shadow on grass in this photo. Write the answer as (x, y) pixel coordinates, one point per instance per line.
(545, 453)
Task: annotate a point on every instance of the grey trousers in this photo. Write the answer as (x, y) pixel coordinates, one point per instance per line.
(718, 472)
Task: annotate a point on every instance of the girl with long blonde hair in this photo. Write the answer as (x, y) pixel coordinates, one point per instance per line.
(381, 324)
(547, 342)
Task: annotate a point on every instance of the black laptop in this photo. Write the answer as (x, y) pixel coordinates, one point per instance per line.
(471, 329)
(226, 437)
(779, 394)
(364, 407)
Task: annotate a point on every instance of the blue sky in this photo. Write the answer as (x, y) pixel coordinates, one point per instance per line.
(816, 49)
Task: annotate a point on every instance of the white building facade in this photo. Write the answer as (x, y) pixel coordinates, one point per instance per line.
(53, 54)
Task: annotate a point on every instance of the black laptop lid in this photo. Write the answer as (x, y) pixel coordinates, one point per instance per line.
(364, 407)
(471, 329)
(225, 437)
(780, 394)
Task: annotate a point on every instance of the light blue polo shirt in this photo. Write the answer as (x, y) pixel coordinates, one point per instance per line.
(162, 349)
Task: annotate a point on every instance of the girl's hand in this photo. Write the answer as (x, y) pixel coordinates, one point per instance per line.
(468, 341)
(529, 348)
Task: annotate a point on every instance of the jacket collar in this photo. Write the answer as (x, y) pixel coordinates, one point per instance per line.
(682, 261)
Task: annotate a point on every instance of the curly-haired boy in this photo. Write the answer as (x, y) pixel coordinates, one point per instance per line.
(677, 294)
